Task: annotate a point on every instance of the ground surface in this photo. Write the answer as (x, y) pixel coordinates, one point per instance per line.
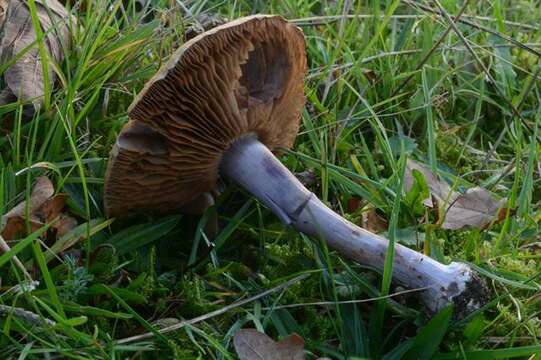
(381, 88)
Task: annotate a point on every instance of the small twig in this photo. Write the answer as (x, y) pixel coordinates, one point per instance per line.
(506, 339)
(26, 315)
(216, 312)
(5, 248)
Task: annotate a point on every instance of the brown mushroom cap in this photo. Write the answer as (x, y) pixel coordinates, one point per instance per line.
(244, 77)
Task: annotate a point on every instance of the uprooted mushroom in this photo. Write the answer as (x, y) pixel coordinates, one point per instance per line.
(225, 100)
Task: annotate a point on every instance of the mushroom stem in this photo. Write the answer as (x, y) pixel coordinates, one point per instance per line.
(253, 166)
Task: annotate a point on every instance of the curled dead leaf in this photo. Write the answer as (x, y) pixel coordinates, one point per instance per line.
(24, 79)
(43, 207)
(13, 222)
(250, 344)
(64, 225)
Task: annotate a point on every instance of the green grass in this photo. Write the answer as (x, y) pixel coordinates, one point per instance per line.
(374, 99)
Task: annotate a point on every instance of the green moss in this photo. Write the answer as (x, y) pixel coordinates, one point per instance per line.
(194, 297)
(528, 268)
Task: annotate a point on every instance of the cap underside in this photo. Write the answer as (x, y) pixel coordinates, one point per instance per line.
(239, 78)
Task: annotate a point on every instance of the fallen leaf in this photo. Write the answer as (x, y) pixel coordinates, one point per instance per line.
(64, 225)
(43, 207)
(438, 189)
(24, 79)
(476, 207)
(42, 191)
(533, 247)
(250, 344)
(13, 222)
(79, 233)
(354, 203)
(51, 208)
(372, 222)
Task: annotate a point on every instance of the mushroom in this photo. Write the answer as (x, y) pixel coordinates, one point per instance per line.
(225, 100)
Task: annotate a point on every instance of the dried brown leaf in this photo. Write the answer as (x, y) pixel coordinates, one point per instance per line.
(12, 227)
(43, 208)
(354, 203)
(372, 222)
(476, 207)
(41, 192)
(250, 344)
(438, 189)
(51, 208)
(64, 225)
(24, 79)
(13, 221)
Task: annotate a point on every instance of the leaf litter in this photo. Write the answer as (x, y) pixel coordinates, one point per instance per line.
(42, 207)
(476, 207)
(251, 344)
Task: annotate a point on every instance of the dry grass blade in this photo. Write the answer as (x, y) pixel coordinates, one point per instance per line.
(334, 303)
(25, 315)
(4, 247)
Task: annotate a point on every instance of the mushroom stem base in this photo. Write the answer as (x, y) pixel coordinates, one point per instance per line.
(252, 165)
